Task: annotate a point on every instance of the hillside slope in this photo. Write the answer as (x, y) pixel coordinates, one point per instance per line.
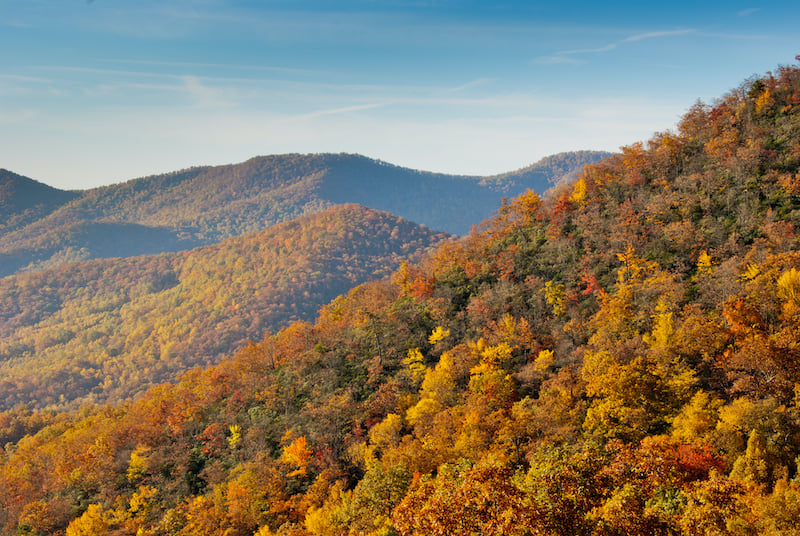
(621, 358)
(204, 205)
(105, 330)
(23, 200)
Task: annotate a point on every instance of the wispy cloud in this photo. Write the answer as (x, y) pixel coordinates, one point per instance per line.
(748, 12)
(93, 70)
(203, 95)
(19, 78)
(194, 90)
(606, 48)
(469, 85)
(297, 88)
(566, 56)
(554, 60)
(342, 110)
(229, 66)
(653, 35)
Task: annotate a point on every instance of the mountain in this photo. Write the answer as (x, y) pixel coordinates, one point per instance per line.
(547, 173)
(104, 330)
(23, 200)
(620, 357)
(203, 205)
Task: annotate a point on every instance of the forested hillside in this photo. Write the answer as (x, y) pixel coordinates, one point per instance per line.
(23, 200)
(619, 358)
(105, 330)
(203, 205)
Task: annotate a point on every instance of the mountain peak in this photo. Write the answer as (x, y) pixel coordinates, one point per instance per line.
(18, 193)
(24, 200)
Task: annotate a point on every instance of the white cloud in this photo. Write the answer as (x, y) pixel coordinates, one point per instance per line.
(606, 48)
(565, 56)
(653, 35)
(748, 12)
(226, 66)
(342, 110)
(469, 85)
(554, 60)
(204, 95)
(20, 78)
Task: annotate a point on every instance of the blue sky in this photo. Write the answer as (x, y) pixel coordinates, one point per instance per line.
(96, 92)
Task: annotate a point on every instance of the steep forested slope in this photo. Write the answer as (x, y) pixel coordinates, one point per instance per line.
(204, 205)
(620, 358)
(104, 330)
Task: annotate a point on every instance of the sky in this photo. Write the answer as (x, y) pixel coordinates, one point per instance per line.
(102, 91)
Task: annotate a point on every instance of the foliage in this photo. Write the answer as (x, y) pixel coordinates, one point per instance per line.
(619, 362)
(105, 330)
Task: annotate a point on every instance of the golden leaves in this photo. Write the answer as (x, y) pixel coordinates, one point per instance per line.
(297, 454)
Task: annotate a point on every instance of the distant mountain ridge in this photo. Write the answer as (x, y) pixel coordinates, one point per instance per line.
(203, 205)
(24, 200)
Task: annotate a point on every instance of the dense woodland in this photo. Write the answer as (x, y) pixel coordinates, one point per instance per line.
(106, 330)
(619, 358)
(199, 206)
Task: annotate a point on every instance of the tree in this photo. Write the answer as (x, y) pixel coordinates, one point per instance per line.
(480, 500)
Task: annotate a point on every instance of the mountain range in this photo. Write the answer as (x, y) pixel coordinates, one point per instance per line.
(620, 357)
(45, 227)
(122, 287)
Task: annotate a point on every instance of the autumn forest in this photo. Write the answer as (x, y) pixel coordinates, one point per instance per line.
(617, 356)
